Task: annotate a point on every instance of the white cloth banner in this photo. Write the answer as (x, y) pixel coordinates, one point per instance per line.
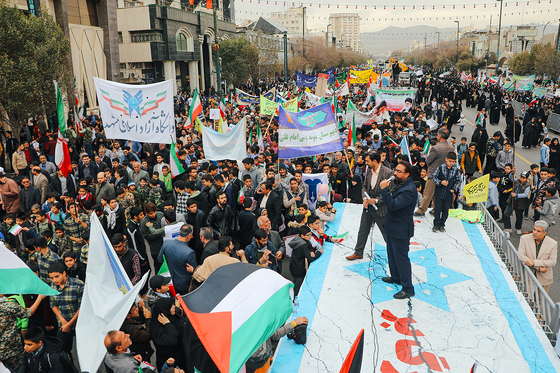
(108, 297)
(137, 112)
(231, 145)
(172, 231)
(313, 181)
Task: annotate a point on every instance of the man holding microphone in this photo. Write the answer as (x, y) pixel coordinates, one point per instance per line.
(399, 197)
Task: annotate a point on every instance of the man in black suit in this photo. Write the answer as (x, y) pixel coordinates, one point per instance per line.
(28, 195)
(400, 198)
(271, 201)
(374, 207)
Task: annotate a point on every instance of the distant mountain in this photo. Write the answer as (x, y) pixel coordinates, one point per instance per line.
(381, 43)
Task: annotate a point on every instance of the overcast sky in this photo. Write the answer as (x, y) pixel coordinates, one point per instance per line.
(473, 14)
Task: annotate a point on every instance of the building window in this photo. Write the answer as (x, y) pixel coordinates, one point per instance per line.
(123, 66)
(184, 41)
(145, 36)
(120, 37)
(181, 42)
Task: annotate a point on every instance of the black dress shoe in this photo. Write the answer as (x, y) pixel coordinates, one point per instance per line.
(403, 295)
(390, 280)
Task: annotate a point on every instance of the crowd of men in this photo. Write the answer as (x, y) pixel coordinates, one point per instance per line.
(228, 211)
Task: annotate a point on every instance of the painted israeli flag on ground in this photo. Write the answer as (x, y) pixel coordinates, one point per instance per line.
(466, 310)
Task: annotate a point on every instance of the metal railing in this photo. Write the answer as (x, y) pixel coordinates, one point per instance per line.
(546, 312)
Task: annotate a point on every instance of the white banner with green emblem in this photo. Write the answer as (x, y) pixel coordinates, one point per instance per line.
(137, 112)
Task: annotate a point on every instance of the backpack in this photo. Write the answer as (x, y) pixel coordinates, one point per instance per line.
(54, 346)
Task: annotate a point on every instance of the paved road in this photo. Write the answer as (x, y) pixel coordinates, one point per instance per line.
(523, 159)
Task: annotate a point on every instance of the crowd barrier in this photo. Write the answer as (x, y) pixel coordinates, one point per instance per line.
(545, 310)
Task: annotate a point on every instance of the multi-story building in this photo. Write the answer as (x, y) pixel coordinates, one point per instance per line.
(294, 19)
(91, 27)
(346, 30)
(519, 39)
(161, 40)
(268, 36)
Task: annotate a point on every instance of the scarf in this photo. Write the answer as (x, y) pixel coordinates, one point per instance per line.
(396, 186)
(111, 216)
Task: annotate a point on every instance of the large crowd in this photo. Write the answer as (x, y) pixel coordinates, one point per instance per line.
(228, 211)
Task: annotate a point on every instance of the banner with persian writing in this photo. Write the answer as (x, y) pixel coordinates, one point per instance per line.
(137, 112)
(309, 132)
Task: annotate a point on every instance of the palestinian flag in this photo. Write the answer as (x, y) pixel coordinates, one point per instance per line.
(175, 164)
(195, 109)
(352, 138)
(164, 271)
(223, 108)
(353, 361)
(208, 4)
(61, 153)
(233, 313)
(17, 278)
(426, 148)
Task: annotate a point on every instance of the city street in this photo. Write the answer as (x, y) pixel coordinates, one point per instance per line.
(523, 159)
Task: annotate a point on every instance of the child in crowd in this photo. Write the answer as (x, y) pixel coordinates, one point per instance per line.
(159, 288)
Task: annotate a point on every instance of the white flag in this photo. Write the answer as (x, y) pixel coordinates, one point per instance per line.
(230, 145)
(108, 297)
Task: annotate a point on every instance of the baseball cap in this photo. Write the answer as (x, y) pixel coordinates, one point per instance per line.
(2, 173)
(524, 174)
(158, 281)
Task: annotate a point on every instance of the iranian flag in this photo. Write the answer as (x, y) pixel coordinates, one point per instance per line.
(260, 141)
(61, 154)
(195, 109)
(391, 142)
(223, 108)
(17, 278)
(232, 314)
(175, 164)
(164, 271)
(352, 138)
(426, 148)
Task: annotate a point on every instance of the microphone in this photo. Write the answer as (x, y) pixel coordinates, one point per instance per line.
(391, 178)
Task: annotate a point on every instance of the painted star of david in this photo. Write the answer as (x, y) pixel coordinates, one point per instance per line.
(431, 291)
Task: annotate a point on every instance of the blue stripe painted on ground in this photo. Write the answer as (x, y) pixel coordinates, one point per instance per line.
(290, 354)
(521, 328)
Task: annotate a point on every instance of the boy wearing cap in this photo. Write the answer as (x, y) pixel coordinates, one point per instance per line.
(159, 288)
(493, 195)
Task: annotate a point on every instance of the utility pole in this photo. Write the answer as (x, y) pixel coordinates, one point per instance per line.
(217, 49)
(303, 29)
(457, 22)
(499, 36)
(285, 56)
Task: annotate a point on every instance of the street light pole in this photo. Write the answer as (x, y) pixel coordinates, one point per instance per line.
(285, 56)
(558, 38)
(217, 50)
(457, 22)
(499, 37)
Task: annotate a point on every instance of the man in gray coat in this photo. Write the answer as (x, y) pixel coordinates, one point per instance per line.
(103, 187)
(374, 207)
(436, 157)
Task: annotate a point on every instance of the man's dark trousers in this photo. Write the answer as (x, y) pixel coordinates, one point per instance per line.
(369, 218)
(399, 262)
